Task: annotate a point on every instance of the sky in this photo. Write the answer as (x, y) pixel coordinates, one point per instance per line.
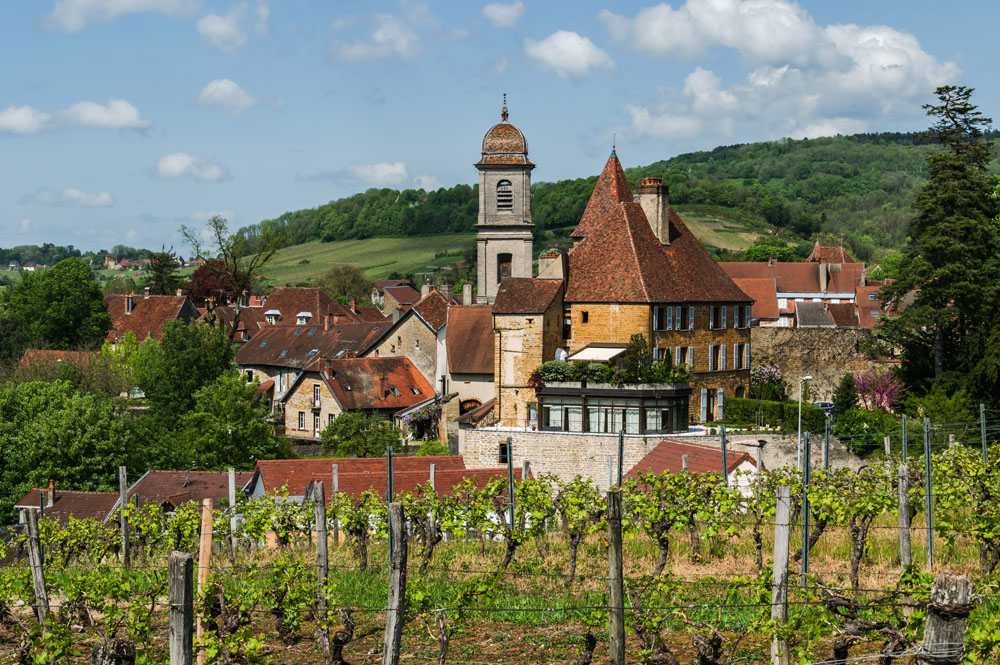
(121, 120)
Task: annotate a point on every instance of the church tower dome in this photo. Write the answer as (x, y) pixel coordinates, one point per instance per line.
(504, 224)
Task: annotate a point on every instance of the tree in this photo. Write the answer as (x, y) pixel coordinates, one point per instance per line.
(951, 263)
(356, 434)
(638, 360)
(231, 260)
(346, 281)
(845, 397)
(226, 427)
(61, 307)
(162, 278)
(205, 283)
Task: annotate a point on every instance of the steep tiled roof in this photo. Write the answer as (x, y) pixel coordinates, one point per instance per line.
(381, 284)
(525, 295)
(369, 314)
(765, 297)
(297, 475)
(294, 346)
(375, 383)
(49, 357)
(290, 300)
(813, 315)
(862, 296)
(81, 505)
(251, 319)
(404, 295)
(845, 314)
(620, 259)
(176, 487)
(433, 308)
(148, 313)
(829, 254)
(469, 339)
(667, 456)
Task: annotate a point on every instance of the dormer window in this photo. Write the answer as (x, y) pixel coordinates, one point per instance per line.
(302, 318)
(392, 389)
(505, 195)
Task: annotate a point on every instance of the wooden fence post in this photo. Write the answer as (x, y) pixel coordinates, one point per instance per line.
(616, 584)
(232, 508)
(333, 498)
(322, 567)
(204, 561)
(905, 553)
(123, 501)
(180, 568)
(37, 571)
(947, 615)
(928, 492)
(725, 458)
(779, 579)
(396, 606)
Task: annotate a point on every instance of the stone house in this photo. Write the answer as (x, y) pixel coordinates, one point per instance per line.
(143, 316)
(398, 299)
(419, 334)
(319, 394)
(470, 349)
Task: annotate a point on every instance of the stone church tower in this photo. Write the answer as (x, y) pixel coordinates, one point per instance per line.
(505, 228)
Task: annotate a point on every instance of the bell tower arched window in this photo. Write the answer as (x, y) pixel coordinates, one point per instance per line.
(505, 195)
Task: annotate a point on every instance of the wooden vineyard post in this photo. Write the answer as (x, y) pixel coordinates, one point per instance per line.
(396, 607)
(928, 493)
(982, 429)
(181, 599)
(37, 571)
(616, 584)
(322, 567)
(204, 560)
(779, 580)
(725, 459)
(826, 445)
(905, 555)
(122, 502)
(333, 500)
(611, 473)
(232, 509)
(947, 616)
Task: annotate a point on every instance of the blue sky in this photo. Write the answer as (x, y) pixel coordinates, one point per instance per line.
(122, 119)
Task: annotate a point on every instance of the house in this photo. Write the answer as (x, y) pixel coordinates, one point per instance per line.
(251, 320)
(306, 306)
(378, 289)
(31, 266)
(384, 386)
(13, 265)
(469, 343)
(280, 353)
(62, 504)
(170, 489)
(397, 299)
(764, 311)
(869, 303)
(674, 456)
(418, 334)
(143, 316)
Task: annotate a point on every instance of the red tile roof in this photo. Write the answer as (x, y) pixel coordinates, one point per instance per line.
(478, 413)
(176, 487)
(504, 144)
(798, 277)
(862, 297)
(81, 505)
(251, 319)
(620, 259)
(433, 308)
(381, 284)
(845, 314)
(369, 314)
(446, 481)
(148, 314)
(667, 456)
(829, 254)
(469, 339)
(293, 346)
(290, 300)
(297, 475)
(525, 295)
(813, 315)
(763, 292)
(375, 383)
(404, 295)
(81, 359)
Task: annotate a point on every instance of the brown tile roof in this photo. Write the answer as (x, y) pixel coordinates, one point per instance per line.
(32, 357)
(829, 254)
(446, 481)
(813, 315)
(666, 456)
(478, 413)
(381, 284)
(404, 295)
(620, 259)
(293, 346)
(845, 314)
(504, 144)
(793, 277)
(862, 297)
(251, 319)
(375, 383)
(148, 314)
(176, 487)
(433, 308)
(290, 300)
(369, 314)
(526, 295)
(765, 297)
(469, 339)
(297, 475)
(81, 505)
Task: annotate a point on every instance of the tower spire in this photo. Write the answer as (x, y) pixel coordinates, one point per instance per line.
(613, 142)
(503, 112)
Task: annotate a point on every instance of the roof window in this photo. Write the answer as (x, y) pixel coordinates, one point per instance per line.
(414, 390)
(312, 331)
(392, 389)
(263, 344)
(314, 352)
(284, 352)
(297, 331)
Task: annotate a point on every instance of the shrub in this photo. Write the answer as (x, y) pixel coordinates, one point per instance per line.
(766, 382)
(432, 447)
(557, 370)
(776, 414)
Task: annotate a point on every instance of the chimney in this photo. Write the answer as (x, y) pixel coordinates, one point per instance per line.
(770, 260)
(129, 303)
(822, 276)
(354, 305)
(180, 293)
(551, 265)
(145, 292)
(654, 198)
(467, 293)
(52, 493)
(380, 386)
(426, 288)
(445, 290)
(326, 321)
(245, 299)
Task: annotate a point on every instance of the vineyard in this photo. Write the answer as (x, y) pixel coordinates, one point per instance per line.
(489, 580)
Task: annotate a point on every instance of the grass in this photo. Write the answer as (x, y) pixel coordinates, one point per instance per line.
(722, 228)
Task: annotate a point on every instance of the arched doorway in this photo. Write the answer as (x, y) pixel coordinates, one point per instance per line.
(740, 392)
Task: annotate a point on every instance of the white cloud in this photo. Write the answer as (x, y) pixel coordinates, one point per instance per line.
(25, 225)
(227, 95)
(185, 165)
(567, 54)
(391, 38)
(380, 174)
(263, 16)
(68, 198)
(116, 114)
(427, 182)
(205, 215)
(75, 15)
(504, 16)
(661, 125)
(224, 32)
(24, 120)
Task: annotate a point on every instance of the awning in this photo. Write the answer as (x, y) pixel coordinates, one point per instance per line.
(598, 353)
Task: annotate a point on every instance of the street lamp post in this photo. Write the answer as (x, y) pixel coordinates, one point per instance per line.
(799, 455)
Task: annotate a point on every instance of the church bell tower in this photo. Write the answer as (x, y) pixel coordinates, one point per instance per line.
(504, 225)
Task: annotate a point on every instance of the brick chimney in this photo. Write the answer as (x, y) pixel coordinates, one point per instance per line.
(180, 293)
(380, 386)
(52, 494)
(425, 288)
(445, 290)
(326, 321)
(129, 303)
(654, 198)
(354, 305)
(822, 276)
(245, 299)
(145, 292)
(467, 293)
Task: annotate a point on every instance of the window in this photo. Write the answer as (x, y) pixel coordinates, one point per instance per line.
(330, 419)
(302, 419)
(747, 315)
(313, 352)
(284, 352)
(679, 323)
(722, 357)
(723, 310)
(737, 356)
(297, 331)
(504, 454)
(315, 424)
(659, 322)
(691, 317)
(875, 313)
(712, 323)
(263, 344)
(416, 391)
(503, 266)
(248, 375)
(316, 401)
(567, 327)
(659, 354)
(312, 331)
(713, 357)
(392, 389)
(584, 317)
(690, 357)
(505, 195)
(782, 303)
(872, 297)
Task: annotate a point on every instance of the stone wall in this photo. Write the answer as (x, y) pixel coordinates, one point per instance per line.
(301, 401)
(607, 322)
(414, 340)
(826, 354)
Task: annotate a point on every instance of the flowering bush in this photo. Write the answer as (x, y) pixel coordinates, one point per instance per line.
(878, 389)
(766, 382)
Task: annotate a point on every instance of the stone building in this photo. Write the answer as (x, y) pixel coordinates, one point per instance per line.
(419, 334)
